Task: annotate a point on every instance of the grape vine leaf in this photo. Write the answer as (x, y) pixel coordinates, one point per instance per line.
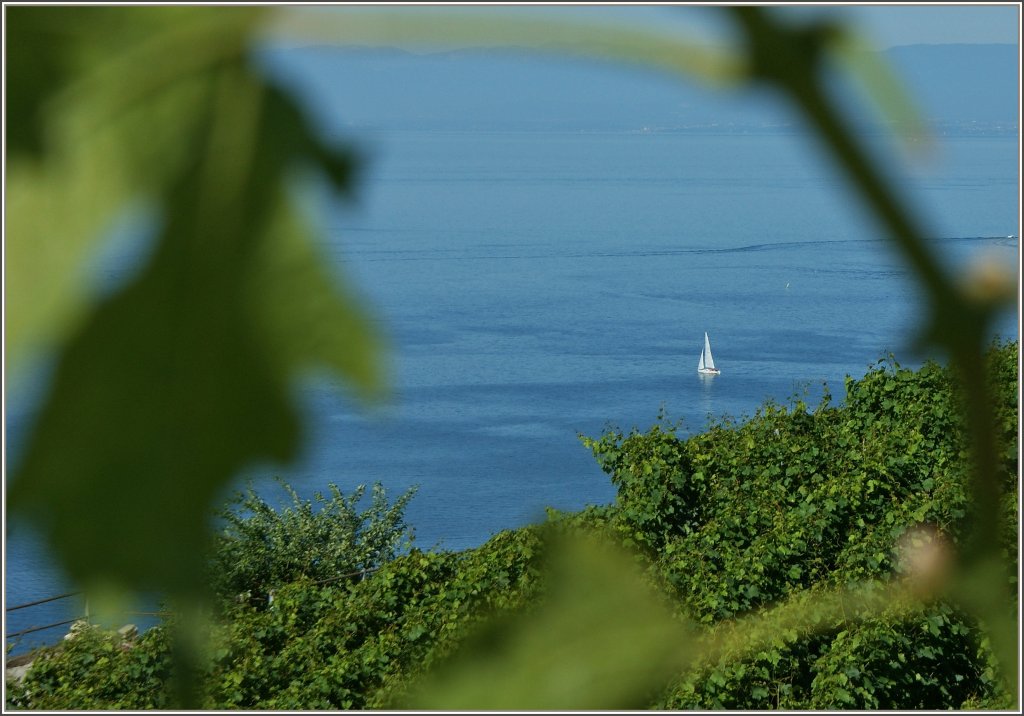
(599, 639)
(164, 390)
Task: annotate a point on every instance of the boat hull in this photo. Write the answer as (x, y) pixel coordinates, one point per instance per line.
(708, 371)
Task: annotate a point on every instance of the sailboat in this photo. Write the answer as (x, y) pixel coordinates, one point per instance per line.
(706, 366)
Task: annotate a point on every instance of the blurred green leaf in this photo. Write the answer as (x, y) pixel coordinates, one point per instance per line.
(103, 136)
(308, 317)
(418, 29)
(787, 57)
(47, 51)
(171, 386)
(164, 393)
(882, 87)
(599, 639)
(980, 588)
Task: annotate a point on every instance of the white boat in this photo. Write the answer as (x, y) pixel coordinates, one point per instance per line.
(706, 366)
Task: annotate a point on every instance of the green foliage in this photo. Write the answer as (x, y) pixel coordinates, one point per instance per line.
(781, 557)
(660, 494)
(97, 669)
(903, 662)
(795, 499)
(165, 389)
(1004, 368)
(598, 639)
(261, 548)
(355, 644)
(916, 657)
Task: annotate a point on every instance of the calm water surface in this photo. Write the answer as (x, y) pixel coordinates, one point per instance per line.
(535, 286)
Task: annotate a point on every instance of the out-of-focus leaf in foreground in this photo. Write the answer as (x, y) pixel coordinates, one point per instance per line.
(39, 62)
(291, 279)
(960, 312)
(79, 149)
(599, 639)
(891, 99)
(174, 383)
(417, 28)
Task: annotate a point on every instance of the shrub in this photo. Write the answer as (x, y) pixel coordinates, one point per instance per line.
(790, 505)
(261, 548)
(97, 669)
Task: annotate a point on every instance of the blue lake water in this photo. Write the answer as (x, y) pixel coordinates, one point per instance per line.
(538, 285)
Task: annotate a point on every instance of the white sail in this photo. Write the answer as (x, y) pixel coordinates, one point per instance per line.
(706, 364)
(706, 359)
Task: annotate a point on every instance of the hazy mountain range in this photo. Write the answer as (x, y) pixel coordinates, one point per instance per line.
(958, 88)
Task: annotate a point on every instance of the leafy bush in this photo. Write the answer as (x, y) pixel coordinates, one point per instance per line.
(796, 499)
(114, 425)
(660, 494)
(261, 548)
(789, 506)
(97, 669)
(932, 657)
(355, 645)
